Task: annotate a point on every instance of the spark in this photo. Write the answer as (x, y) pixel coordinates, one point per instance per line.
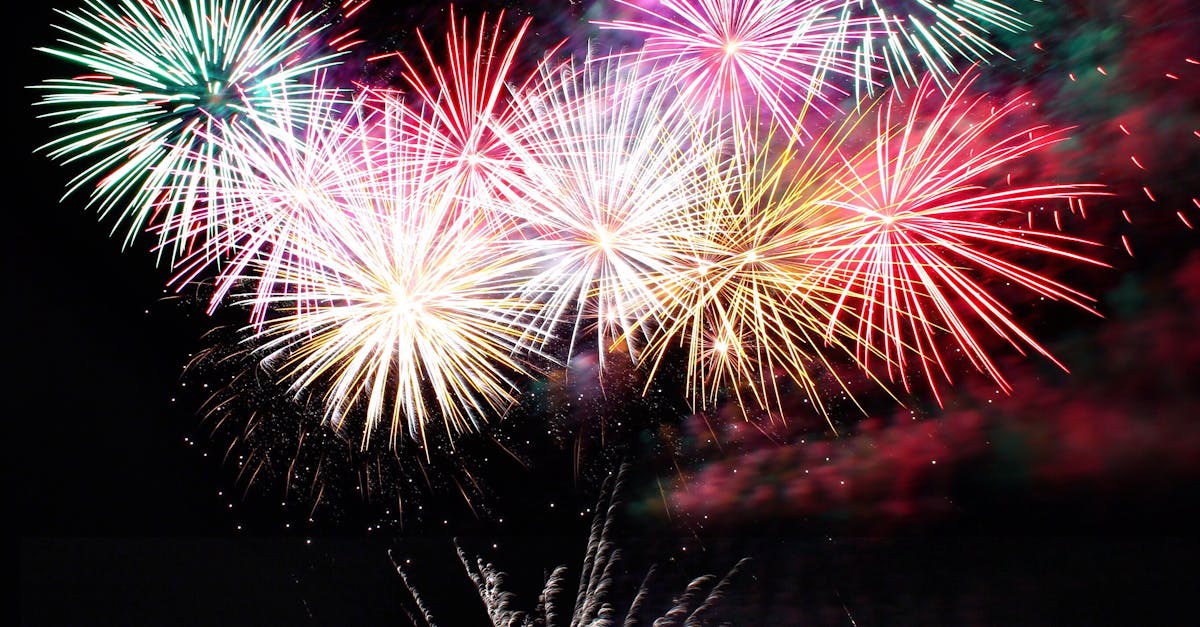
(401, 308)
(730, 60)
(162, 75)
(909, 38)
(922, 226)
(610, 174)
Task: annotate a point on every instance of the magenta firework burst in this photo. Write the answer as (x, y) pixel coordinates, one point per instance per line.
(738, 61)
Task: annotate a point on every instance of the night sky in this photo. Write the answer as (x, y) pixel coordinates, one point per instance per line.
(131, 508)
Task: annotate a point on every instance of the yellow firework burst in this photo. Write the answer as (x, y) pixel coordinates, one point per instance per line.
(748, 305)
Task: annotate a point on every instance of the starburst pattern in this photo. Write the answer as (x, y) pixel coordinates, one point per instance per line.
(273, 178)
(749, 304)
(734, 60)
(461, 109)
(161, 75)
(905, 39)
(401, 307)
(926, 220)
(610, 176)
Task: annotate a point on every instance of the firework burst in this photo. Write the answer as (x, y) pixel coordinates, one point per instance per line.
(610, 176)
(732, 59)
(906, 38)
(273, 177)
(462, 111)
(161, 76)
(925, 219)
(749, 303)
(400, 308)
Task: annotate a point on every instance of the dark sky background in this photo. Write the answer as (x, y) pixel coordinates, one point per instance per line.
(126, 514)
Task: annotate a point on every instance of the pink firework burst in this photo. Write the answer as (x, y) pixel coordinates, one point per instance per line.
(743, 58)
(273, 180)
(925, 223)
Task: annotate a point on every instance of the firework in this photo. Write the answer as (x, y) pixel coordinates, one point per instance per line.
(732, 59)
(906, 38)
(610, 175)
(274, 177)
(925, 218)
(160, 76)
(593, 605)
(462, 111)
(400, 308)
(749, 303)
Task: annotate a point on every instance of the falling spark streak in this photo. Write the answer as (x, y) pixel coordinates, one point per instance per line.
(594, 604)
(919, 226)
(162, 75)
